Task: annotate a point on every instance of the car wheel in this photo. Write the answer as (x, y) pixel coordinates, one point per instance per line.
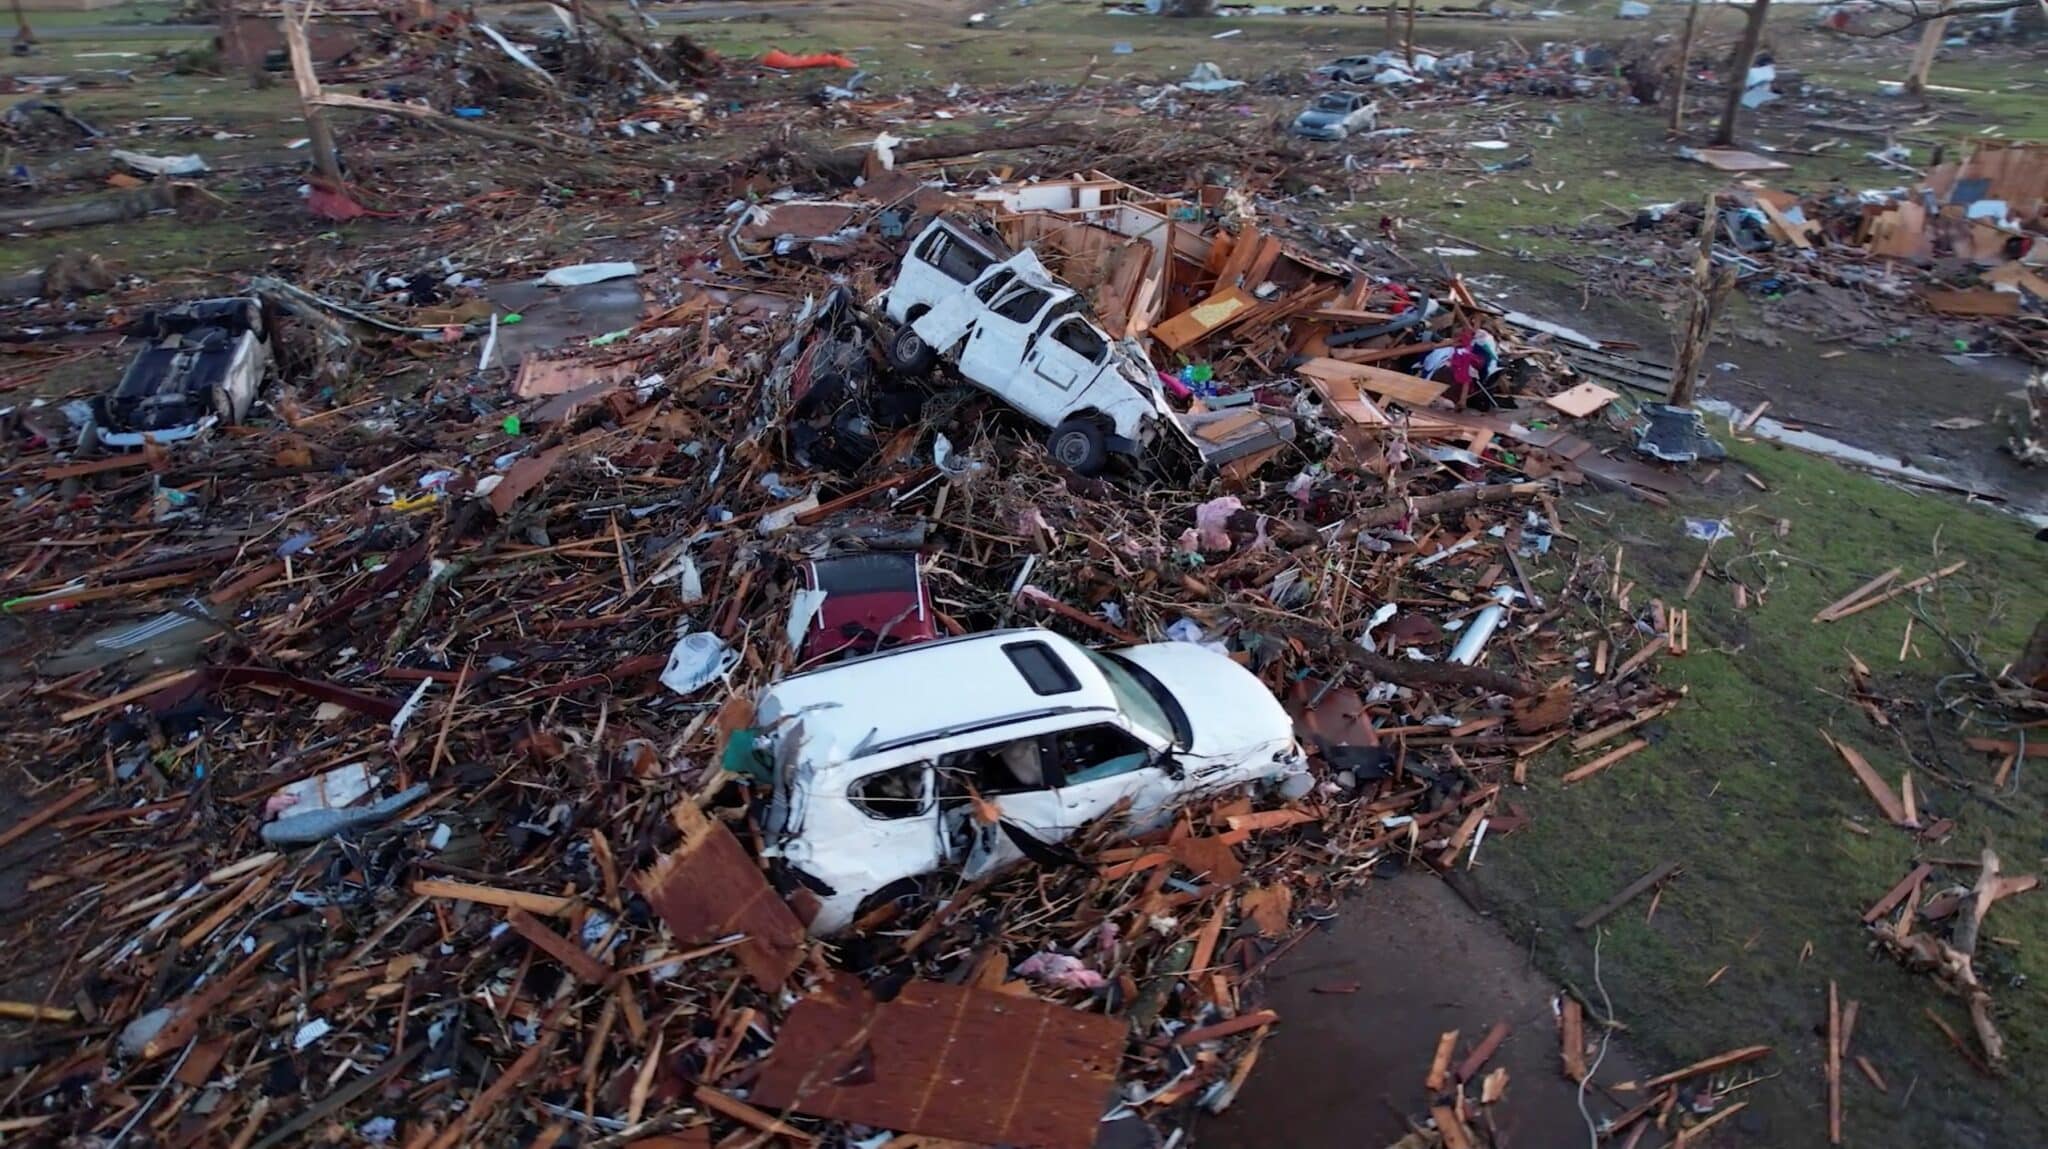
(1080, 446)
(909, 353)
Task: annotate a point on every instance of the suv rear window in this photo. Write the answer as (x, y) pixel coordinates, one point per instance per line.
(1042, 669)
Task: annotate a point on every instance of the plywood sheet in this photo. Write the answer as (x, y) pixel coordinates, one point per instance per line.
(1395, 385)
(1582, 400)
(1733, 160)
(708, 888)
(1217, 311)
(949, 1061)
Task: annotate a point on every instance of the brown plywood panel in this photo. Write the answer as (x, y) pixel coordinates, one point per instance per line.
(949, 1061)
(708, 888)
(1219, 310)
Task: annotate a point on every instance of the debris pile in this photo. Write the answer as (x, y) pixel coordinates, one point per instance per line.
(403, 650)
(1967, 245)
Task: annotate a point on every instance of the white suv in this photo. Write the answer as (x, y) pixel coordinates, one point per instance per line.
(887, 767)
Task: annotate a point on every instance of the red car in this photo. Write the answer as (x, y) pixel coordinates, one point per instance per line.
(873, 601)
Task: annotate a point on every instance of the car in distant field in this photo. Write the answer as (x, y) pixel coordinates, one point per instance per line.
(1350, 69)
(969, 754)
(1336, 115)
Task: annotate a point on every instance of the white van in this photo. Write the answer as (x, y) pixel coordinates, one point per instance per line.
(1013, 330)
(884, 765)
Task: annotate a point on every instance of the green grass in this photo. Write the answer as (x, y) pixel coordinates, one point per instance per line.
(1740, 787)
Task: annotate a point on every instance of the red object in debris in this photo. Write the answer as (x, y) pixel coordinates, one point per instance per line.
(329, 204)
(873, 601)
(777, 58)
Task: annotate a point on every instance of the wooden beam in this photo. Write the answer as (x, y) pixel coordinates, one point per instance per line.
(1628, 894)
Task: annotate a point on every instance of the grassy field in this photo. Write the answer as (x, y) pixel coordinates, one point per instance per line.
(1740, 787)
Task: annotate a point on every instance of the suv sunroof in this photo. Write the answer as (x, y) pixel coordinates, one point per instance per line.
(1041, 668)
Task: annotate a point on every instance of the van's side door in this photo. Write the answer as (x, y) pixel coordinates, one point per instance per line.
(1067, 353)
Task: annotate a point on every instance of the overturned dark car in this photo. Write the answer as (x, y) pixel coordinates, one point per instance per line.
(201, 365)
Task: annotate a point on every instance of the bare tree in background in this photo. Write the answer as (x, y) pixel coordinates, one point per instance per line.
(1738, 71)
(1910, 13)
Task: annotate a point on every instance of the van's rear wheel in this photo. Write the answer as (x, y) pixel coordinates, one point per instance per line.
(909, 354)
(1081, 446)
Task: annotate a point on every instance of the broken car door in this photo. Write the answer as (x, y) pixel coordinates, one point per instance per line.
(896, 832)
(996, 346)
(1012, 770)
(1066, 352)
(1104, 763)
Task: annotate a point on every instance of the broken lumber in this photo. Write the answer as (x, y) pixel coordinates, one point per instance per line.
(1712, 1064)
(1581, 773)
(1628, 894)
(1880, 791)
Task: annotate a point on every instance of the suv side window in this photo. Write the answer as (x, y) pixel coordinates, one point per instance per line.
(994, 284)
(1076, 336)
(899, 792)
(1092, 753)
(1021, 306)
(1019, 766)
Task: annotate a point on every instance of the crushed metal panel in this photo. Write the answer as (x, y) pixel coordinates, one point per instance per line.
(708, 888)
(949, 1061)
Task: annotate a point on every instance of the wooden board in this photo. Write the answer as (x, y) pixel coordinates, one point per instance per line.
(949, 1061)
(1397, 386)
(1735, 160)
(1979, 302)
(1344, 398)
(1217, 311)
(1582, 400)
(708, 888)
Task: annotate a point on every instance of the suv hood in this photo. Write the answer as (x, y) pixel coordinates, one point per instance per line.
(1230, 711)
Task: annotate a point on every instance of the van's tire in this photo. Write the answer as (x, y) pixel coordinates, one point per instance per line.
(1080, 445)
(909, 354)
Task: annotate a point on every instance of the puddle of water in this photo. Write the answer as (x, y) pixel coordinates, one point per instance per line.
(1776, 432)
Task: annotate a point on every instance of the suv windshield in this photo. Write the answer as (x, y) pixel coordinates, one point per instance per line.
(1143, 698)
(1333, 104)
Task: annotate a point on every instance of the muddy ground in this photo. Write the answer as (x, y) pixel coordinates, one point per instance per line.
(1347, 1068)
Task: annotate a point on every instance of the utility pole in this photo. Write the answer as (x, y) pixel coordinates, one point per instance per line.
(1738, 75)
(1692, 23)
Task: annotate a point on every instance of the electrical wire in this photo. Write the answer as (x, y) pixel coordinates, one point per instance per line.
(1606, 1035)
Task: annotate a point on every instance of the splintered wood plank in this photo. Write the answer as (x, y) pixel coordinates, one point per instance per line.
(948, 1061)
(708, 888)
(1873, 586)
(1880, 791)
(1712, 1064)
(1897, 894)
(1628, 894)
(1440, 1065)
(1571, 1035)
(1604, 761)
(1397, 386)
